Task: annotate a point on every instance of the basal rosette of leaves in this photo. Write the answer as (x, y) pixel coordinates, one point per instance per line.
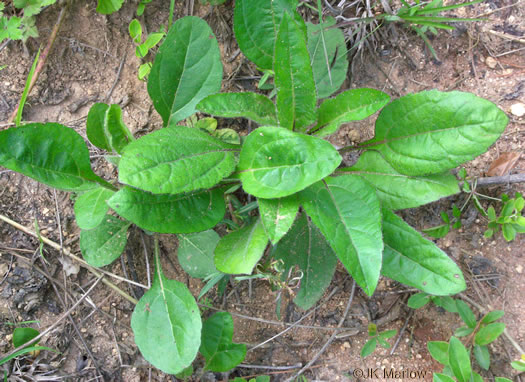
(312, 212)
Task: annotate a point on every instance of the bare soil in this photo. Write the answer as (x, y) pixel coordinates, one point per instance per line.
(483, 58)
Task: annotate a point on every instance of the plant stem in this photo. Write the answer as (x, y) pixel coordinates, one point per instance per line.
(172, 10)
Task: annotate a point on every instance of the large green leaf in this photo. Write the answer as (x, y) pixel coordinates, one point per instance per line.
(165, 213)
(195, 253)
(175, 160)
(413, 260)
(239, 251)
(105, 128)
(294, 79)
(166, 323)
(489, 333)
(256, 107)
(327, 49)
(431, 131)
(439, 351)
(256, 24)
(482, 355)
(104, 244)
(278, 215)
(109, 6)
(217, 348)
(438, 377)
(351, 105)
(91, 207)
(187, 68)
(398, 191)
(51, 153)
(459, 360)
(276, 162)
(347, 212)
(305, 247)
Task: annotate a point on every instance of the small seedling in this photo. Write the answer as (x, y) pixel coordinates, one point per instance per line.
(21, 28)
(376, 338)
(21, 336)
(511, 221)
(143, 48)
(454, 355)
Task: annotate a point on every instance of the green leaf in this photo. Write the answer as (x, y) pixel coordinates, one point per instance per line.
(187, 68)
(278, 215)
(439, 351)
(388, 334)
(166, 323)
(228, 136)
(239, 251)
(351, 105)
(397, 191)
(187, 372)
(24, 335)
(135, 31)
(294, 80)
(383, 343)
(466, 314)
(175, 160)
(438, 377)
(463, 331)
(418, 300)
(305, 247)
(217, 348)
(106, 7)
(276, 162)
(476, 377)
(256, 107)
(482, 355)
(459, 360)
(91, 207)
(437, 232)
(105, 243)
(328, 56)
(415, 261)
(489, 333)
(431, 131)
(144, 70)
(509, 233)
(502, 379)
(195, 253)
(105, 128)
(347, 212)
(256, 24)
(50, 153)
(492, 316)
(152, 40)
(369, 347)
(180, 213)
(518, 365)
(446, 302)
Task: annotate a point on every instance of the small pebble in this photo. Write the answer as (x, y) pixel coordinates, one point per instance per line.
(518, 109)
(519, 268)
(491, 62)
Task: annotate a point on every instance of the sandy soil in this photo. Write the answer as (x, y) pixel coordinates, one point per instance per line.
(482, 58)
